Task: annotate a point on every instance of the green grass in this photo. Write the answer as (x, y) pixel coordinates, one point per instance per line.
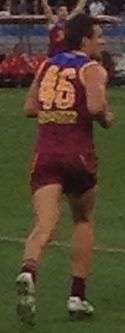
(106, 285)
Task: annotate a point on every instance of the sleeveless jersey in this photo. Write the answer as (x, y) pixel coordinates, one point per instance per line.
(65, 125)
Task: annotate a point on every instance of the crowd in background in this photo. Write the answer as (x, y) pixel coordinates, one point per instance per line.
(18, 68)
(18, 7)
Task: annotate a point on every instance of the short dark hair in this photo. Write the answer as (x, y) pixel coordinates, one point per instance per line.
(78, 27)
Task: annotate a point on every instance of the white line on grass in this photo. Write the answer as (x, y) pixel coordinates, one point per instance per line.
(19, 240)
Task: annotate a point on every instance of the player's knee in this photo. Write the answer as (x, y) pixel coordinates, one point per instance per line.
(83, 220)
(83, 217)
(42, 235)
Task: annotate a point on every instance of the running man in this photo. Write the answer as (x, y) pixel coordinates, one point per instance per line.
(67, 96)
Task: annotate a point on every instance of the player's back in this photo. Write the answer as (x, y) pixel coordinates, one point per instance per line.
(65, 125)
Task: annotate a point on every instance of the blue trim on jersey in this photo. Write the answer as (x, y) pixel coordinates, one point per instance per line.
(69, 59)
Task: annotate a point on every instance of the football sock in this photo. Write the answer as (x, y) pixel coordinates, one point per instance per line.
(78, 287)
(30, 266)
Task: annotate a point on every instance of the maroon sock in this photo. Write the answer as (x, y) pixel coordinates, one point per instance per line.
(30, 266)
(78, 287)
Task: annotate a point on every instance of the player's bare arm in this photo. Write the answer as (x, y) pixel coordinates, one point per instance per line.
(48, 11)
(78, 9)
(31, 104)
(95, 77)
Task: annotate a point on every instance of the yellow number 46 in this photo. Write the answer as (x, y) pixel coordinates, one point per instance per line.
(56, 89)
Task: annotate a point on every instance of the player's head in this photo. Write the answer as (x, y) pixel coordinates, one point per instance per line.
(62, 10)
(83, 33)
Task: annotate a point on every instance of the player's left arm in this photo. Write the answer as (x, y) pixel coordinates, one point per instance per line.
(94, 79)
(32, 105)
(80, 6)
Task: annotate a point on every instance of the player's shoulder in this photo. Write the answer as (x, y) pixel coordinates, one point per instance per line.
(62, 58)
(70, 59)
(94, 69)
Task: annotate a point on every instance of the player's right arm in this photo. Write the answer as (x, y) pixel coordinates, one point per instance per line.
(48, 11)
(32, 105)
(95, 81)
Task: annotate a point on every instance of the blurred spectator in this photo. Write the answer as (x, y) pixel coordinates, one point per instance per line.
(120, 62)
(17, 68)
(19, 7)
(2, 3)
(97, 7)
(22, 7)
(119, 78)
(14, 7)
(5, 7)
(2, 57)
(116, 6)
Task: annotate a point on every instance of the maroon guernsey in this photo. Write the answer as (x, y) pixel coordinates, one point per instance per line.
(65, 138)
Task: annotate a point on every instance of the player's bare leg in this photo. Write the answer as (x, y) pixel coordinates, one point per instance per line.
(46, 202)
(82, 208)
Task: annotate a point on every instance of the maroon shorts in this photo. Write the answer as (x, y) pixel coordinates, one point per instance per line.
(68, 171)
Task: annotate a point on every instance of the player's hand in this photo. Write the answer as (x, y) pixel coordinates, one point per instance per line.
(109, 118)
(105, 119)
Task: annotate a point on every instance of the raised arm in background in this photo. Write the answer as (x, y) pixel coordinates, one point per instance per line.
(48, 11)
(78, 9)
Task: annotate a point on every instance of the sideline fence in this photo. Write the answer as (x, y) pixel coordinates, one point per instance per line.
(32, 32)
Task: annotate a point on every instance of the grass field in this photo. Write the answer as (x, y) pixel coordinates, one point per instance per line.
(106, 286)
